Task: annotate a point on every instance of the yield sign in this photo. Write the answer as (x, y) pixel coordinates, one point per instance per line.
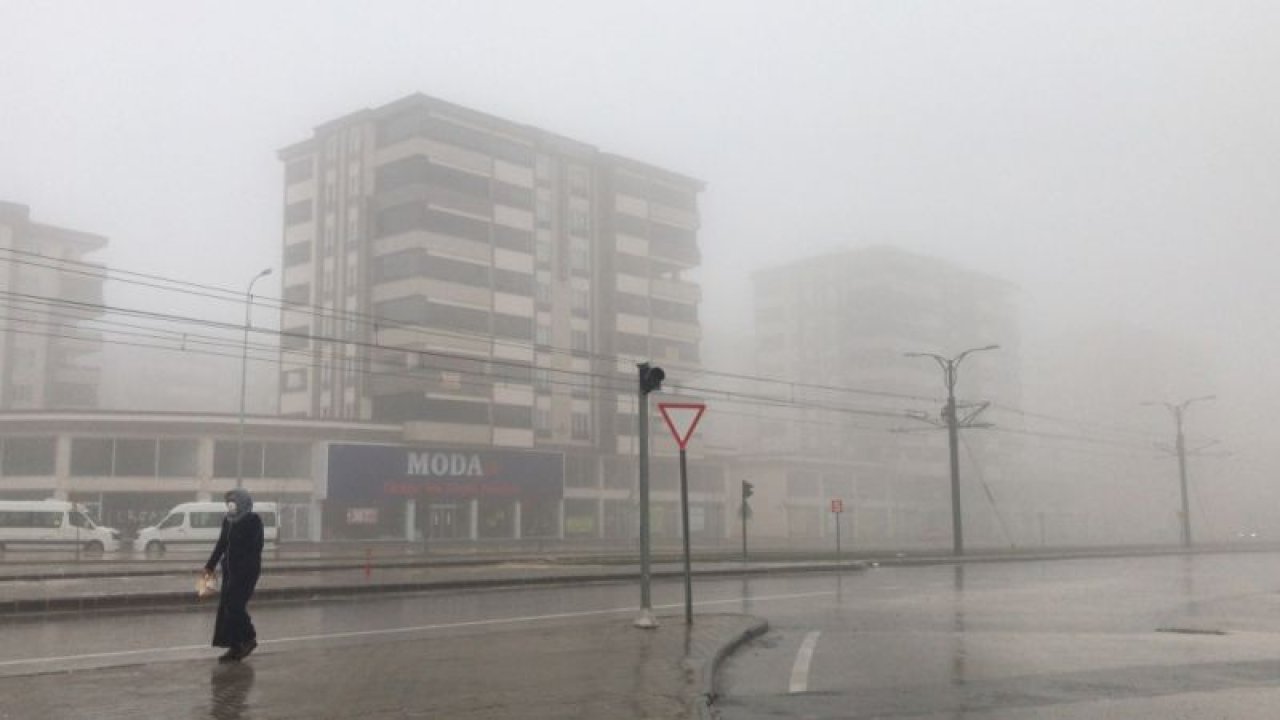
(682, 418)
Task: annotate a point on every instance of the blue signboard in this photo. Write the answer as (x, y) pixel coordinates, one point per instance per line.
(374, 472)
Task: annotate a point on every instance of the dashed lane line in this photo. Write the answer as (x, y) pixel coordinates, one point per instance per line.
(800, 671)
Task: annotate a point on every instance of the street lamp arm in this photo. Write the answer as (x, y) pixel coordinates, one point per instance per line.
(1203, 398)
(964, 354)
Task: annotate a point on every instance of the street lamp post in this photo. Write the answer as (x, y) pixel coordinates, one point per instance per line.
(244, 364)
(1180, 447)
(950, 366)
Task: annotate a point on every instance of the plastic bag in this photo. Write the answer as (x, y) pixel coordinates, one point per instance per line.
(206, 586)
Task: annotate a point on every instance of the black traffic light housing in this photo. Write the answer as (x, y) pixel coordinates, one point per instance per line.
(650, 378)
(747, 490)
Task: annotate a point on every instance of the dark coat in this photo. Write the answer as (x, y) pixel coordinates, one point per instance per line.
(239, 549)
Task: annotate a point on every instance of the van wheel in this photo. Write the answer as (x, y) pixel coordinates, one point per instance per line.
(94, 547)
(155, 548)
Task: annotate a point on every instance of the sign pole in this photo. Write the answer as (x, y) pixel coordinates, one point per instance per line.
(684, 511)
(681, 420)
(837, 533)
(837, 508)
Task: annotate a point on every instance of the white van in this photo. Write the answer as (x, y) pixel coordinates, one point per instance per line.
(199, 523)
(52, 524)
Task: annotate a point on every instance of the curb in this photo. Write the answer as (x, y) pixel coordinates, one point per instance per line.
(706, 680)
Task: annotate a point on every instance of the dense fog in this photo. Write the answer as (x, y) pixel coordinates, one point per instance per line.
(1111, 168)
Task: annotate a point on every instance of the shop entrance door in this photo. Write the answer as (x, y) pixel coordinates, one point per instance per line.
(443, 523)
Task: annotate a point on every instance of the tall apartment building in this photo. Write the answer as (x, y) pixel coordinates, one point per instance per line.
(47, 360)
(483, 282)
(845, 320)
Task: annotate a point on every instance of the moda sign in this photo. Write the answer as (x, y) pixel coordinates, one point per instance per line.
(426, 464)
(360, 473)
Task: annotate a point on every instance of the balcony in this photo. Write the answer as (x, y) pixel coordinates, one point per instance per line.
(679, 291)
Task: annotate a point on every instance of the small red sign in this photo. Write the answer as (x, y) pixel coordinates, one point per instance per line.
(681, 419)
(837, 505)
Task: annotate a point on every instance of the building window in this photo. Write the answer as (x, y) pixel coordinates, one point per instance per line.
(178, 457)
(226, 459)
(26, 456)
(297, 254)
(135, 458)
(91, 457)
(542, 380)
(581, 426)
(579, 223)
(578, 181)
(543, 212)
(581, 302)
(299, 171)
(297, 295)
(542, 334)
(287, 460)
(579, 258)
(580, 341)
(294, 380)
(298, 212)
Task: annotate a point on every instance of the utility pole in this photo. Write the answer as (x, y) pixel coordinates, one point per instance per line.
(950, 366)
(1180, 448)
(747, 491)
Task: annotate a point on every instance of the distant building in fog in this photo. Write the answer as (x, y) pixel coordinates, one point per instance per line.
(138, 378)
(47, 358)
(845, 320)
(488, 284)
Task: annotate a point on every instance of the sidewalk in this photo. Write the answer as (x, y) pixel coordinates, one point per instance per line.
(597, 670)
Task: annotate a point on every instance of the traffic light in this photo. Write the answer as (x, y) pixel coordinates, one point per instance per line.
(650, 378)
(747, 490)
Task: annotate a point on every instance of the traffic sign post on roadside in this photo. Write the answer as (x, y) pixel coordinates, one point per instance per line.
(837, 507)
(681, 419)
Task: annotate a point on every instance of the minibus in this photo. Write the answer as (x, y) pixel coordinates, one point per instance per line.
(52, 524)
(199, 523)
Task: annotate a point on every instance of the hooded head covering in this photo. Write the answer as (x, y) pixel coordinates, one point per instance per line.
(243, 501)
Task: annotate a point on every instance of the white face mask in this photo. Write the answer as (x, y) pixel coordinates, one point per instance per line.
(231, 507)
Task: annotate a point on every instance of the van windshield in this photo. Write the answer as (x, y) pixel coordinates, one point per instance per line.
(172, 520)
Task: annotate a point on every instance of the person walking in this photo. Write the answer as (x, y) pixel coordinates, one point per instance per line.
(239, 550)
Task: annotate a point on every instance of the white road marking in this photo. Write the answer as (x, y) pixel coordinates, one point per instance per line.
(800, 671)
(398, 630)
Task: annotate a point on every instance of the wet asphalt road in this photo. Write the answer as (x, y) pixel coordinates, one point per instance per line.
(1157, 637)
(37, 644)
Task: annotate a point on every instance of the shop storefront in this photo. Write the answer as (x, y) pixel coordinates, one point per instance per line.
(426, 493)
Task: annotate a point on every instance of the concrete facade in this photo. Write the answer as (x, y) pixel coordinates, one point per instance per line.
(48, 357)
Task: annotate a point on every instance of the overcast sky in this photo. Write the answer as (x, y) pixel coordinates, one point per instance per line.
(1114, 159)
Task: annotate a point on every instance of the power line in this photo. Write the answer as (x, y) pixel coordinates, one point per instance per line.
(377, 322)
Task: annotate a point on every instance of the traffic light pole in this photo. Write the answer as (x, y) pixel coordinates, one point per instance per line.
(646, 619)
(650, 379)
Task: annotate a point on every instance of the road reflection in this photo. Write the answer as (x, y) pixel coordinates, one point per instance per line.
(229, 686)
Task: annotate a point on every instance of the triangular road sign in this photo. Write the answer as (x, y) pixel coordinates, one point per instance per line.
(681, 419)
